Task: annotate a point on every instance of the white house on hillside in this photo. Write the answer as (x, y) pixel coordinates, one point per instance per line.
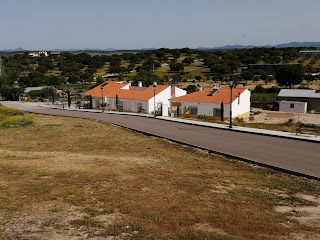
(38, 53)
(211, 102)
(124, 97)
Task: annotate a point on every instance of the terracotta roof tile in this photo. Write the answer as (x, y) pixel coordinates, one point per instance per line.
(222, 95)
(111, 89)
(144, 94)
(108, 89)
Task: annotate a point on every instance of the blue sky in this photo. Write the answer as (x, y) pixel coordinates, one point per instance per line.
(134, 24)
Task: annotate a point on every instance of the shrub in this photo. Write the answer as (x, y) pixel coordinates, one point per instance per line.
(11, 118)
(10, 111)
(200, 116)
(238, 120)
(15, 121)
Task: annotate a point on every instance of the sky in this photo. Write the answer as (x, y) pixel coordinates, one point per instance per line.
(136, 24)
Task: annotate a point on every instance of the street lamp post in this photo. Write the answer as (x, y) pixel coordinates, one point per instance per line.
(231, 86)
(154, 97)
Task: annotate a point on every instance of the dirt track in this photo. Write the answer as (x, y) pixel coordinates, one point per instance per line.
(281, 117)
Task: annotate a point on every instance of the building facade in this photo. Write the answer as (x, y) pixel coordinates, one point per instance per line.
(124, 97)
(214, 103)
(310, 97)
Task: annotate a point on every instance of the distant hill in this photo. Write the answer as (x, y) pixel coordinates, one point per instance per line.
(282, 45)
(13, 50)
(226, 47)
(298, 44)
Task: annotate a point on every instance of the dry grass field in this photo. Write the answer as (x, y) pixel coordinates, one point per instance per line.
(64, 178)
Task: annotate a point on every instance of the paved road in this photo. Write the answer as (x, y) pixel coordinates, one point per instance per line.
(288, 154)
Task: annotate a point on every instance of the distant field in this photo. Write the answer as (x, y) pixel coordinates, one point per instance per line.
(65, 178)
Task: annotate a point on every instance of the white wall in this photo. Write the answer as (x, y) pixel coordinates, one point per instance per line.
(298, 107)
(132, 105)
(238, 108)
(177, 92)
(162, 97)
(128, 105)
(243, 106)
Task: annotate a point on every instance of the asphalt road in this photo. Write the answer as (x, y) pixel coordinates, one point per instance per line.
(287, 154)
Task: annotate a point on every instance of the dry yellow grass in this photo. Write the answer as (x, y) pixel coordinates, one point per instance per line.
(78, 179)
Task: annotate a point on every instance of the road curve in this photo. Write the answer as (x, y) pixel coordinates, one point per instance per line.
(298, 157)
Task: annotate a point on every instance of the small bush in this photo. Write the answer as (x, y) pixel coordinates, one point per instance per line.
(200, 116)
(12, 118)
(10, 111)
(238, 120)
(15, 121)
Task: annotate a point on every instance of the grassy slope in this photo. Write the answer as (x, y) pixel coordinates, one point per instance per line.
(72, 177)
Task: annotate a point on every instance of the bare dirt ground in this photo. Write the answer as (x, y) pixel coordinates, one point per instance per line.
(76, 179)
(281, 117)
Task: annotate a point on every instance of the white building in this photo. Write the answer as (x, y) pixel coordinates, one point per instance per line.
(299, 100)
(292, 106)
(214, 102)
(38, 53)
(124, 97)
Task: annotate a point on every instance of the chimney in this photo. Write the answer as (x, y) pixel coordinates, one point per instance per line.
(155, 83)
(129, 83)
(200, 88)
(139, 84)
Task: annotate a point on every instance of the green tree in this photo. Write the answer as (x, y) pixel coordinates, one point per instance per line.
(191, 88)
(176, 67)
(188, 60)
(256, 78)
(100, 80)
(263, 75)
(198, 78)
(146, 77)
(289, 76)
(247, 75)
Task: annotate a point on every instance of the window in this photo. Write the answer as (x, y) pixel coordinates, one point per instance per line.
(292, 105)
(193, 110)
(217, 112)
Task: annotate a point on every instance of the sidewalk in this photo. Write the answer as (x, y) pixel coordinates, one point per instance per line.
(289, 135)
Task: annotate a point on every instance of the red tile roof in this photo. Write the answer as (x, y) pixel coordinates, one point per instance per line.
(222, 95)
(113, 89)
(144, 94)
(108, 89)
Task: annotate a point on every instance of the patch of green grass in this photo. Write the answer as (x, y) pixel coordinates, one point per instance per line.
(293, 187)
(15, 121)
(317, 64)
(10, 111)
(276, 199)
(87, 222)
(12, 118)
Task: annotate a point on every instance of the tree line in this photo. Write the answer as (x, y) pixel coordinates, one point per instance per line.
(20, 71)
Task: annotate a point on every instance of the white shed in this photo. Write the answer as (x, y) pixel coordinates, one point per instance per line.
(293, 106)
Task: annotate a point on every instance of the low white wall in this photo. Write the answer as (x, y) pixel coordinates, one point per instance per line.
(292, 106)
